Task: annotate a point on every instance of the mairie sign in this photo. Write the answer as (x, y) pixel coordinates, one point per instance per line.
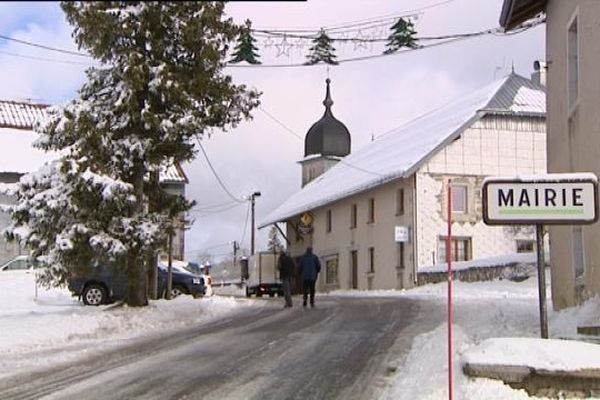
(541, 199)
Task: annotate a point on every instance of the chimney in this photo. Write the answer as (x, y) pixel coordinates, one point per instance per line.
(539, 73)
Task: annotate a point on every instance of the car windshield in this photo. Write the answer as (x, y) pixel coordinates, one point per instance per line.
(20, 263)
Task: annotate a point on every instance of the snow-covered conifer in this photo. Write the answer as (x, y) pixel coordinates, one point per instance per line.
(158, 85)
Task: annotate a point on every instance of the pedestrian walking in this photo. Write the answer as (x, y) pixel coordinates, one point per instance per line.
(286, 268)
(309, 270)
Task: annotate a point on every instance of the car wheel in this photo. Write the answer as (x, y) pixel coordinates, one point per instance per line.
(271, 294)
(177, 291)
(94, 295)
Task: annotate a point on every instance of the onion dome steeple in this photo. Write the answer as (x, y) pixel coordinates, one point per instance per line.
(327, 136)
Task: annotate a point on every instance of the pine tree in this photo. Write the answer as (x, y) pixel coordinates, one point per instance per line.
(274, 245)
(159, 85)
(403, 35)
(245, 49)
(322, 50)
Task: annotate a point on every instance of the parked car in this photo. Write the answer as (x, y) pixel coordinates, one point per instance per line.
(184, 281)
(103, 284)
(21, 263)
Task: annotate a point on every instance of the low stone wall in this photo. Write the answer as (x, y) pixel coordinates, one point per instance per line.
(513, 271)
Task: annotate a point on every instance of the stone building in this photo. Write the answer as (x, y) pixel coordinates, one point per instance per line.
(376, 216)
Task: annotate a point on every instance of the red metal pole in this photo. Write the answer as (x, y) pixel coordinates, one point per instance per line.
(449, 261)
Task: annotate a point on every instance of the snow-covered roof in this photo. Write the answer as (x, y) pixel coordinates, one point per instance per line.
(17, 155)
(399, 153)
(19, 115)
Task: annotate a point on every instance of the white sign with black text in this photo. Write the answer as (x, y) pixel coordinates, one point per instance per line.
(544, 199)
(401, 233)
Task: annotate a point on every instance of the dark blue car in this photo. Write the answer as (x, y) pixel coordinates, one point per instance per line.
(103, 285)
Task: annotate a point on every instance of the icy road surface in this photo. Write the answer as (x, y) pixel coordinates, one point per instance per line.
(342, 349)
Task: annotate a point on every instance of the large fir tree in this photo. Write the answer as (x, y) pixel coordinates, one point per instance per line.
(322, 50)
(245, 49)
(403, 35)
(158, 86)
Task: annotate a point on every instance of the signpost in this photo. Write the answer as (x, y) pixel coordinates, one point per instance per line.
(558, 199)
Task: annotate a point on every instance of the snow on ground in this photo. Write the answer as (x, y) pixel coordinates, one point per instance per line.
(32, 326)
(483, 262)
(35, 327)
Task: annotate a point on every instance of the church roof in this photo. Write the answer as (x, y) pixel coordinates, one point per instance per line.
(400, 153)
(327, 136)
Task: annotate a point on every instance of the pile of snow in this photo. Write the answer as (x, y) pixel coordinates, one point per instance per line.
(497, 316)
(565, 355)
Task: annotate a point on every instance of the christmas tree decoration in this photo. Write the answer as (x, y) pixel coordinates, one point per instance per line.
(322, 50)
(245, 50)
(403, 35)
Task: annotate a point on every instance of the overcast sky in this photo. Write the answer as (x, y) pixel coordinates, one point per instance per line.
(370, 97)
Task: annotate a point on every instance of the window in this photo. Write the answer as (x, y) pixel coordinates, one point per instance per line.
(400, 254)
(400, 202)
(371, 210)
(459, 198)
(331, 270)
(371, 259)
(353, 213)
(573, 62)
(328, 221)
(461, 249)
(525, 246)
(578, 252)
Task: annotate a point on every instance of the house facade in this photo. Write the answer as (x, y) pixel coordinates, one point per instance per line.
(573, 82)
(19, 157)
(378, 215)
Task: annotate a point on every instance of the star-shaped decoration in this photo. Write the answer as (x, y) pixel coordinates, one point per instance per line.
(359, 44)
(283, 47)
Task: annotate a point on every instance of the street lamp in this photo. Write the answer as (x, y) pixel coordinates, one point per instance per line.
(252, 196)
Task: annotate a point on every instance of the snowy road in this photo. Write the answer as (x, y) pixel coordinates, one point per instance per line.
(339, 350)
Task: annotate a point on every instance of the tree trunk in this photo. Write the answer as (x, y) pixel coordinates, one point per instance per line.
(137, 294)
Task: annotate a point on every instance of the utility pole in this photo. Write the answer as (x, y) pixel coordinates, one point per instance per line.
(252, 196)
(235, 249)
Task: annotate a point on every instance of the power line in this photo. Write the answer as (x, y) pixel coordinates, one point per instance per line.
(216, 211)
(216, 175)
(447, 39)
(54, 60)
(280, 123)
(364, 21)
(41, 46)
(341, 161)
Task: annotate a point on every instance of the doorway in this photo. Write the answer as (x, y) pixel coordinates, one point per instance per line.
(354, 268)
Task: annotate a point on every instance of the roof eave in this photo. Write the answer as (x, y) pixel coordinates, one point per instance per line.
(515, 12)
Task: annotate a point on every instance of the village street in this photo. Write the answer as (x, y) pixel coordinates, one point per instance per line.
(339, 350)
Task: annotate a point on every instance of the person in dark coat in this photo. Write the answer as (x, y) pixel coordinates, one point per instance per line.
(309, 270)
(286, 267)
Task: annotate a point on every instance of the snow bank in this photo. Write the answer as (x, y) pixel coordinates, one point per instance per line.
(548, 355)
